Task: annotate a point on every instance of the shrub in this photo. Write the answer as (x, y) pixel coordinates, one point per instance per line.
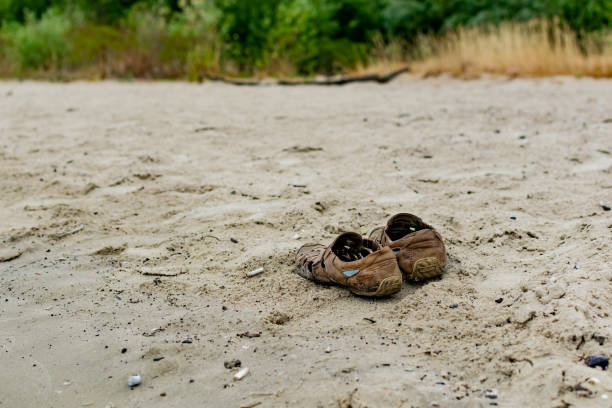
(38, 44)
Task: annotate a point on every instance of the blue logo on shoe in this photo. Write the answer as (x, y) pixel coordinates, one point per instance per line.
(350, 273)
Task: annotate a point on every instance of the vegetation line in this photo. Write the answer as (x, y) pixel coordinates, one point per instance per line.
(298, 40)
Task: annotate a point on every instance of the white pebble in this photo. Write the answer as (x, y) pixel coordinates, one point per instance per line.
(255, 272)
(134, 380)
(604, 396)
(328, 350)
(296, 236)
(593, 381)
(240, 374)
(491, 393)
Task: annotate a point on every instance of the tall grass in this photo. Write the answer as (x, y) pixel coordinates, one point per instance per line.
(147, 44)
(536, 48)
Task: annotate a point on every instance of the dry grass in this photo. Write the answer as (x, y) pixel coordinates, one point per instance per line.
(527, 49)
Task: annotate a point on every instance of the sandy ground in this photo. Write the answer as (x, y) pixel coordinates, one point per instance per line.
(162, 176)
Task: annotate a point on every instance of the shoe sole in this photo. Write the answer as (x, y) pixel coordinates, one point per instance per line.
(426, 268)
(388, 286)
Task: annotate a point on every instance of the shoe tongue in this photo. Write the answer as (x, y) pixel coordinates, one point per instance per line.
(403, 224)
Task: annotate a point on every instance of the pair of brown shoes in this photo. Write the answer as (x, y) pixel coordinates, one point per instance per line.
(373, 266)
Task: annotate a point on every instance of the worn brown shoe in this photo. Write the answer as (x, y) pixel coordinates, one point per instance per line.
(418, 246)
(359, 264)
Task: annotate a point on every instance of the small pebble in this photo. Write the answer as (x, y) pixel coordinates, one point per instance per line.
(513, 218)
(593, 381)
(499, 300)
(163, 394)
(187, 341)
(240, 374)
(123, 350)
(604, 207)
(234, 240)
(255, 272)
(134, 380)
(158, 358)
(454, 306)
(232, 363)
(328, 350)
(492, 394)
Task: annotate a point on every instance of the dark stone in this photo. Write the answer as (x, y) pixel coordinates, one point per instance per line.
(232, 363)
(596, 361)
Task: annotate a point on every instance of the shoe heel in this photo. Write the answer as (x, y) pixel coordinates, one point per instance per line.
(388, 286)
(426, 268)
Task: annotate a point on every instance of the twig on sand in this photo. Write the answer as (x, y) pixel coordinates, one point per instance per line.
(343, 80)
(251, 405)
(163, 272)
(72, 231)
(381, 79)
(210, 236)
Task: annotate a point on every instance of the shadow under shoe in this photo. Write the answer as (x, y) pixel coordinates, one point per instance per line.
(359, 264)
(418, 246)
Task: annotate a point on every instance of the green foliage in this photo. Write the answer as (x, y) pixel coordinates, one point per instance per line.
(17, 10)
(585, 16)
(174, 37)
(38, 44)
(245, 27)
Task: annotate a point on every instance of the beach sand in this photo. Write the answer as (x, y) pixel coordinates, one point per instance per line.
(162, 176)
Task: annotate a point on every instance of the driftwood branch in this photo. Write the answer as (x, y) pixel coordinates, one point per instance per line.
(381, 79)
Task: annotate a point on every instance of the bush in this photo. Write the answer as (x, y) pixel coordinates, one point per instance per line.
(173, 38)
(38, 44)
(18, 10)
